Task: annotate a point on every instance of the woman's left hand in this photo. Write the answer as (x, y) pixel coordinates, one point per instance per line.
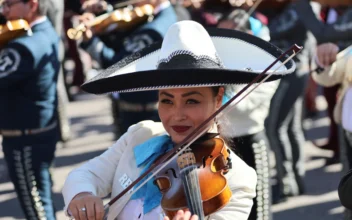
(181, 215)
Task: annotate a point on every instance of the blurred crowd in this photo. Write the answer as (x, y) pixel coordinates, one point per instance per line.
(95, 34)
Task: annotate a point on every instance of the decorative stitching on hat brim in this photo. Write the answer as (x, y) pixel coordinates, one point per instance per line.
(103, 83)
(155, 79)
(176, 53)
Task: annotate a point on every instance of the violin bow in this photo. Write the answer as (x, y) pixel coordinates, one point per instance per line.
(200, 130)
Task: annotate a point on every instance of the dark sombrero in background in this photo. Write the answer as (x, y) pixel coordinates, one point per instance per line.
(191, 56)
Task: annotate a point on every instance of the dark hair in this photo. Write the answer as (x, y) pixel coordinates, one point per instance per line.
(43, 6)
(215, 90)
(238, 16)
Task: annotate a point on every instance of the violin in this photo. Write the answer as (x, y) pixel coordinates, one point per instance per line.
(12, 30)
(196, 180)
(122, 19)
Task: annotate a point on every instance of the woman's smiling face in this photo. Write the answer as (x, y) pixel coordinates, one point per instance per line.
(183, 110)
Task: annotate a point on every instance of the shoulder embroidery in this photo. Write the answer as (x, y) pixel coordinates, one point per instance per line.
(137, 42)
(9, 61)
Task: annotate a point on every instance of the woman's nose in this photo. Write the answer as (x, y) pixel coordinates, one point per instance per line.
(179, 113)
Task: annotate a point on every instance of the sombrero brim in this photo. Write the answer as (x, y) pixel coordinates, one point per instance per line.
(243, 55)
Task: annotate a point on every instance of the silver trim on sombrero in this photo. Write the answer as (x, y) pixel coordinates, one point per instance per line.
(183, 52)
(169, 87)
(112, 71)
(190, 53)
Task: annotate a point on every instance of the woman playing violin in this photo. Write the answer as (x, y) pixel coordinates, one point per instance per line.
(190, 70)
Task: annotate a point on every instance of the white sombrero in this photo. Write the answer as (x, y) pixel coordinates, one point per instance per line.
(191, 56)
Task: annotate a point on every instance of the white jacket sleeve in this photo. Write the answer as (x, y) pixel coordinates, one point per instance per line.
(96, 175)
(242, 181)
(334, 74)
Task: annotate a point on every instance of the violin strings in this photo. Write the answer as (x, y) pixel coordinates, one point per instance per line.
(195, 179)
(191, 199)
(195, 183)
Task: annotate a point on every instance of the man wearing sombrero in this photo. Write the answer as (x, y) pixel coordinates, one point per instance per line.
(191, 71)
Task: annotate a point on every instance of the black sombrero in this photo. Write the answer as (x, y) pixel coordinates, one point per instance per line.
(191, 56)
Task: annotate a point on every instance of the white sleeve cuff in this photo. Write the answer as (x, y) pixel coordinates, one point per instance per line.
(71, 192)
(318, 62)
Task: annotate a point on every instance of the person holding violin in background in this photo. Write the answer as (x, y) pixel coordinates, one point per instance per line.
(191, 71)
(29, 66)
(337, 70)
(132, 107)
(334, 26)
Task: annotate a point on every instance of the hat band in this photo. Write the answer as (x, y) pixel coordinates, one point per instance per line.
(190, 61)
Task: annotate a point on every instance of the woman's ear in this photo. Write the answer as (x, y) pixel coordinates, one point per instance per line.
(219, 97)
(34, 4)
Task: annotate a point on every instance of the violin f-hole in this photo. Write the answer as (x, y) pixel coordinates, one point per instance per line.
(219, 163)
(163, 183)
(172, 171)
(204, 159)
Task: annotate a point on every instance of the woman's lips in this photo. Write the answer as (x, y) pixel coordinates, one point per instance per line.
(180, 129)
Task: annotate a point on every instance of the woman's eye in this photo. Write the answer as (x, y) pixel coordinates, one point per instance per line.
(192, 101)
(166, 101)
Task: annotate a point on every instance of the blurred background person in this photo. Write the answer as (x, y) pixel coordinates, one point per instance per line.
(56, 15)
(284, 122)
(249, 139)
(334, 25)
(337, 70)
(129, 108)
(28, 121)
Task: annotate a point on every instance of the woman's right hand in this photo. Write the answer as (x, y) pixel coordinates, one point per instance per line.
(85, 206)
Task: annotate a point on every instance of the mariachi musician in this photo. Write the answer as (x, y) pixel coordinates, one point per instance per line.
(283, 124)
(335, 27)
(28, 93)
(131, 107)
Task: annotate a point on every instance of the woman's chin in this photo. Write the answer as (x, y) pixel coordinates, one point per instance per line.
(179, 137)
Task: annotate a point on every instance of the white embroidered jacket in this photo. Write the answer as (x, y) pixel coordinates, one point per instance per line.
(340, 72)
(116, 168)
